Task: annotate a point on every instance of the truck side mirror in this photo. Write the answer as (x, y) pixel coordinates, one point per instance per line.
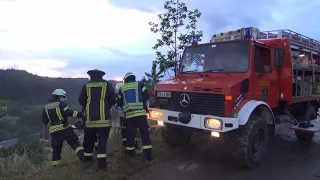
(279, 58)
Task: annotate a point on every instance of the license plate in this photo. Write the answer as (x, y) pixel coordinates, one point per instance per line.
(164, 94)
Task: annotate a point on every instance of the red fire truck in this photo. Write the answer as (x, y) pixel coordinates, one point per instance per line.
(239, 87)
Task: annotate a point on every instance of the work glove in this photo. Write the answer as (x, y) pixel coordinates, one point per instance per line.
(118, 107)
(79, 125)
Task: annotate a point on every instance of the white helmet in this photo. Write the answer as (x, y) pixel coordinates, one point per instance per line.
(127, 75)
(118, 86)
(59, 92)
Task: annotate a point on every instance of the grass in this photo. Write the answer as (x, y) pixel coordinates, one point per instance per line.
(19, 167)
(17, 164)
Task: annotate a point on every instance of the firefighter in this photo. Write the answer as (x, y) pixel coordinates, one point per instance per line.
(133, 98)
(122, 121)
(97, 96)
(55, 114)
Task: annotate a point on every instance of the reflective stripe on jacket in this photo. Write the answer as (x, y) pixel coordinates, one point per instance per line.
(132, 100)
(96, 108)
(55, 115)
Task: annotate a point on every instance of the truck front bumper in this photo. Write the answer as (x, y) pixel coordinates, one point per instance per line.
(204, 122)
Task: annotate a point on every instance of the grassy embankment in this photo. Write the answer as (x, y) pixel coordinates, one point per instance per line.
(20, 167)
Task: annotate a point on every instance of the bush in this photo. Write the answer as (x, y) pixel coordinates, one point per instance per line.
(20, 164)
(30, 146)
(29, 155)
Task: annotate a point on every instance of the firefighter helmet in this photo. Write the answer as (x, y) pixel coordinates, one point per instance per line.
(96, 71)
(59, 92)
(128, 75)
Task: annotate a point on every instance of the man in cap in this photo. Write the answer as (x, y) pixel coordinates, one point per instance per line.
(133, 97)
(97, 96)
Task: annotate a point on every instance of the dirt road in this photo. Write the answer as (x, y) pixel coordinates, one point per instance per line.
(286, 160)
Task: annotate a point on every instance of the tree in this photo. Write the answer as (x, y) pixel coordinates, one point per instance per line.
(154, 77)
(151, 79)
(177, 27)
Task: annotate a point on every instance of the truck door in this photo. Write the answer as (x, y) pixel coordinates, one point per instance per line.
(265, 76)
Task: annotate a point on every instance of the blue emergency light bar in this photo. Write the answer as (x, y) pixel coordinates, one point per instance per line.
(247, 32)
(194, 40)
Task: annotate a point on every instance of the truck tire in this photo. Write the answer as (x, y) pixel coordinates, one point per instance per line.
(175, 136)
(249, 143)
(304, 136)
(310, 115)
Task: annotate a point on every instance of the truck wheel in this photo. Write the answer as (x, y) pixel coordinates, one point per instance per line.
(249, 143)
(175, 136)
(310, 115)
(304, 136)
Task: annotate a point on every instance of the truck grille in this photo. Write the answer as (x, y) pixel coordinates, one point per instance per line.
(210, 104)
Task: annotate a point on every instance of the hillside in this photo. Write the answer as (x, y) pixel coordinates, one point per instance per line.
(29, 93)
(29, 89)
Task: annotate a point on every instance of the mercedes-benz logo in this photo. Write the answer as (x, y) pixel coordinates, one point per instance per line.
(185, 100)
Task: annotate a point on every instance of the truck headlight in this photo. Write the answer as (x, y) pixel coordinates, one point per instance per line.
(154, 114)
(212, 123)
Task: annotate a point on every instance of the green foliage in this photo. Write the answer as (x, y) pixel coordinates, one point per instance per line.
(177, 27)
(28, 89)
(29, 121)
(29, 145)
(5, 106)
(33, 147)
(154, 76)
(151, 79)
(148, 85)
(28, 93)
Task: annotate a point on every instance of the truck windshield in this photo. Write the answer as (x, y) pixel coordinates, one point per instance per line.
(223, 57)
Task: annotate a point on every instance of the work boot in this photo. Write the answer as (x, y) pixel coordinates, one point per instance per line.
(147, 161)
(131, 153)
(147, 155)
(87, 159)
(99, 169)
(102, 163)
(81, 156)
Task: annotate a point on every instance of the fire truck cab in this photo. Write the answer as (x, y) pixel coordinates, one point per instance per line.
(238, 87)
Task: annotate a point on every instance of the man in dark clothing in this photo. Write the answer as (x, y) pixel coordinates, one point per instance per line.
(55, 114)
(133, 98)
(97, 96)
(122, 121)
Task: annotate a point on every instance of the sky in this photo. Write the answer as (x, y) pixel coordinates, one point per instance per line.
(66, 38)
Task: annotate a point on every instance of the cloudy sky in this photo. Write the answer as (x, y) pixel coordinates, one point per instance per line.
(68, 37)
